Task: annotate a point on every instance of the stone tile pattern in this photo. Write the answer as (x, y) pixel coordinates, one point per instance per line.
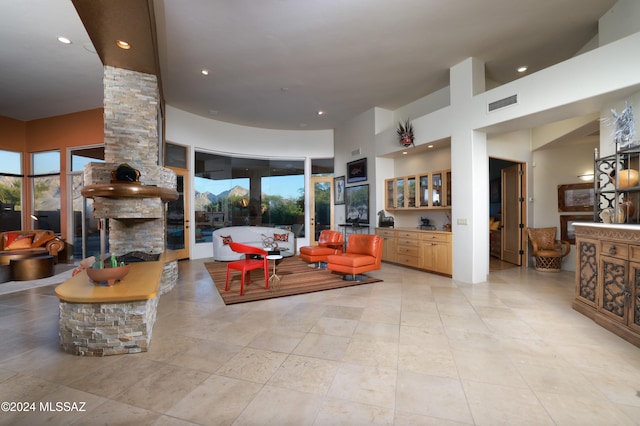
(103, 329)
(130, 117)
(131, 137)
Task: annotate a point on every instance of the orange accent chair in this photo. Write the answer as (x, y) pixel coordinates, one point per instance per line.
(363, 254)
(247, 264)
(329, 242)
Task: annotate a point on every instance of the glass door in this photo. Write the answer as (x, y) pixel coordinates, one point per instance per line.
(321, 198)
(177, 226)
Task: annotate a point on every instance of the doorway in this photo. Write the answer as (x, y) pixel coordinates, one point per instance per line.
(321, 200)
(177, 219)
(507, 212)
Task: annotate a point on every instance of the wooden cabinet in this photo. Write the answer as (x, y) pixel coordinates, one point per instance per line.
(388, 244)
(495, 243)
(421, 249)
(608, 277)
(435, 252)
(407, 248)
(424, 191)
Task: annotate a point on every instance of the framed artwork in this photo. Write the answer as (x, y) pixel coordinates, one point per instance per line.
(357, 171)
(576, 197)
(357, 204)
(567, 231)
(338, 190)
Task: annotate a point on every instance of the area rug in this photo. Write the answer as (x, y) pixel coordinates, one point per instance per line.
(296, 277)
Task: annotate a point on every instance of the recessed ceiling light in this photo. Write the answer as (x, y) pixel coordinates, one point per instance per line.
(64, 40)
(429, 146)
(320, 112)
(89, 47)
(522, 68)
(123, 44)
(204, 71)
(404, 152)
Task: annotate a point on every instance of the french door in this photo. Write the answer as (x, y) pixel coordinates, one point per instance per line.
(321, 202)
(178, 229)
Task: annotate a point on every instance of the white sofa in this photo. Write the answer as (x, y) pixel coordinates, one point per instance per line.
(266, 238)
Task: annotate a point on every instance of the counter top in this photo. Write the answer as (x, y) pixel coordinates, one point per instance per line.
(141, 283)
(400, 228)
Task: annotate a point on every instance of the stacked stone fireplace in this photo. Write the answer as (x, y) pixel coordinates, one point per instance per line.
(135, 211)
(136, 223)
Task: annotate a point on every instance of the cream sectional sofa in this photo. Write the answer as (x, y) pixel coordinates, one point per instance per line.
(266, 238)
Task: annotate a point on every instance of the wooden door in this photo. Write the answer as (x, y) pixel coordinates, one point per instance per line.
(513, 214)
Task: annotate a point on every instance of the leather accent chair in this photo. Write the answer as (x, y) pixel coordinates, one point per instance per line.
(329, 242)
(247, 264)
(547, 251)
(363, 254)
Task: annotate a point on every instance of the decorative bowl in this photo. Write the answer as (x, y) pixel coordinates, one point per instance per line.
(626, 178)
(107, 275)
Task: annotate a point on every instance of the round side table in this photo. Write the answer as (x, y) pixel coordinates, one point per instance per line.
(274, 279)
(32, 268)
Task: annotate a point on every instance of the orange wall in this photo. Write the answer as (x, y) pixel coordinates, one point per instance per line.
(46, 134)
(13, 134)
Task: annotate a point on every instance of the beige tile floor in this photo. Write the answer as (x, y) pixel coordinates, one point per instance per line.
(416, 349)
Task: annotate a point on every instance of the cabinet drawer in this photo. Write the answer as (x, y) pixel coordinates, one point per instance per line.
(613, 249)
(407, 234)
(406, 260)
(634, 253)
(385, 233)
(407, 250)
(407, 242)
(435, 237)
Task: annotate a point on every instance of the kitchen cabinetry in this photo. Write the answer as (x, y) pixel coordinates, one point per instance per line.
(424, 191)
(416, 248)
(607, 285)
(388, 244)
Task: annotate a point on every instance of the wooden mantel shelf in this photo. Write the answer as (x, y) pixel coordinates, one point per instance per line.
(128, 190)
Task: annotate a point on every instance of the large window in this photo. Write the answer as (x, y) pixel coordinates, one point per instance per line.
(233, 191)
(86, 233)
(45, 179)
(10, 191)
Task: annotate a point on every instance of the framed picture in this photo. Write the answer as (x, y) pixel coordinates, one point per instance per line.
(357, 171)
(357, 204)
(338, 190)
(567, 231)
(576, 197)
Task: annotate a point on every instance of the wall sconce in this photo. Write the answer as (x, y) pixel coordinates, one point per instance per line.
(586, 176)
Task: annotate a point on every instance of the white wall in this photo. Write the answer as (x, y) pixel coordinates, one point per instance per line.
(204, 134)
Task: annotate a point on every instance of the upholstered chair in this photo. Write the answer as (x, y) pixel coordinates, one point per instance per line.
(363, 254)
(329, 242)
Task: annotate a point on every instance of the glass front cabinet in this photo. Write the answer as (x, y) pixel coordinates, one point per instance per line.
(424, 191)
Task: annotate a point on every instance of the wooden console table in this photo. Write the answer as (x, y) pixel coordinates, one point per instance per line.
(608, 277)
(97, 320)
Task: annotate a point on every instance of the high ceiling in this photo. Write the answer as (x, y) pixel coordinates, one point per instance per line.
(276, 63)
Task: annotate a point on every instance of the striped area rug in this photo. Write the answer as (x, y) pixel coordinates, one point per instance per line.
(296, 277)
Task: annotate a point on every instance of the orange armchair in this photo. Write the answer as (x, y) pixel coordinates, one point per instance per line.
(247, 264)
(330, 242)
(363, 254)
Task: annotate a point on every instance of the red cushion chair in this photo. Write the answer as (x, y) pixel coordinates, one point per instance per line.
(247, 264)
(363, 254)
(330, 242)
